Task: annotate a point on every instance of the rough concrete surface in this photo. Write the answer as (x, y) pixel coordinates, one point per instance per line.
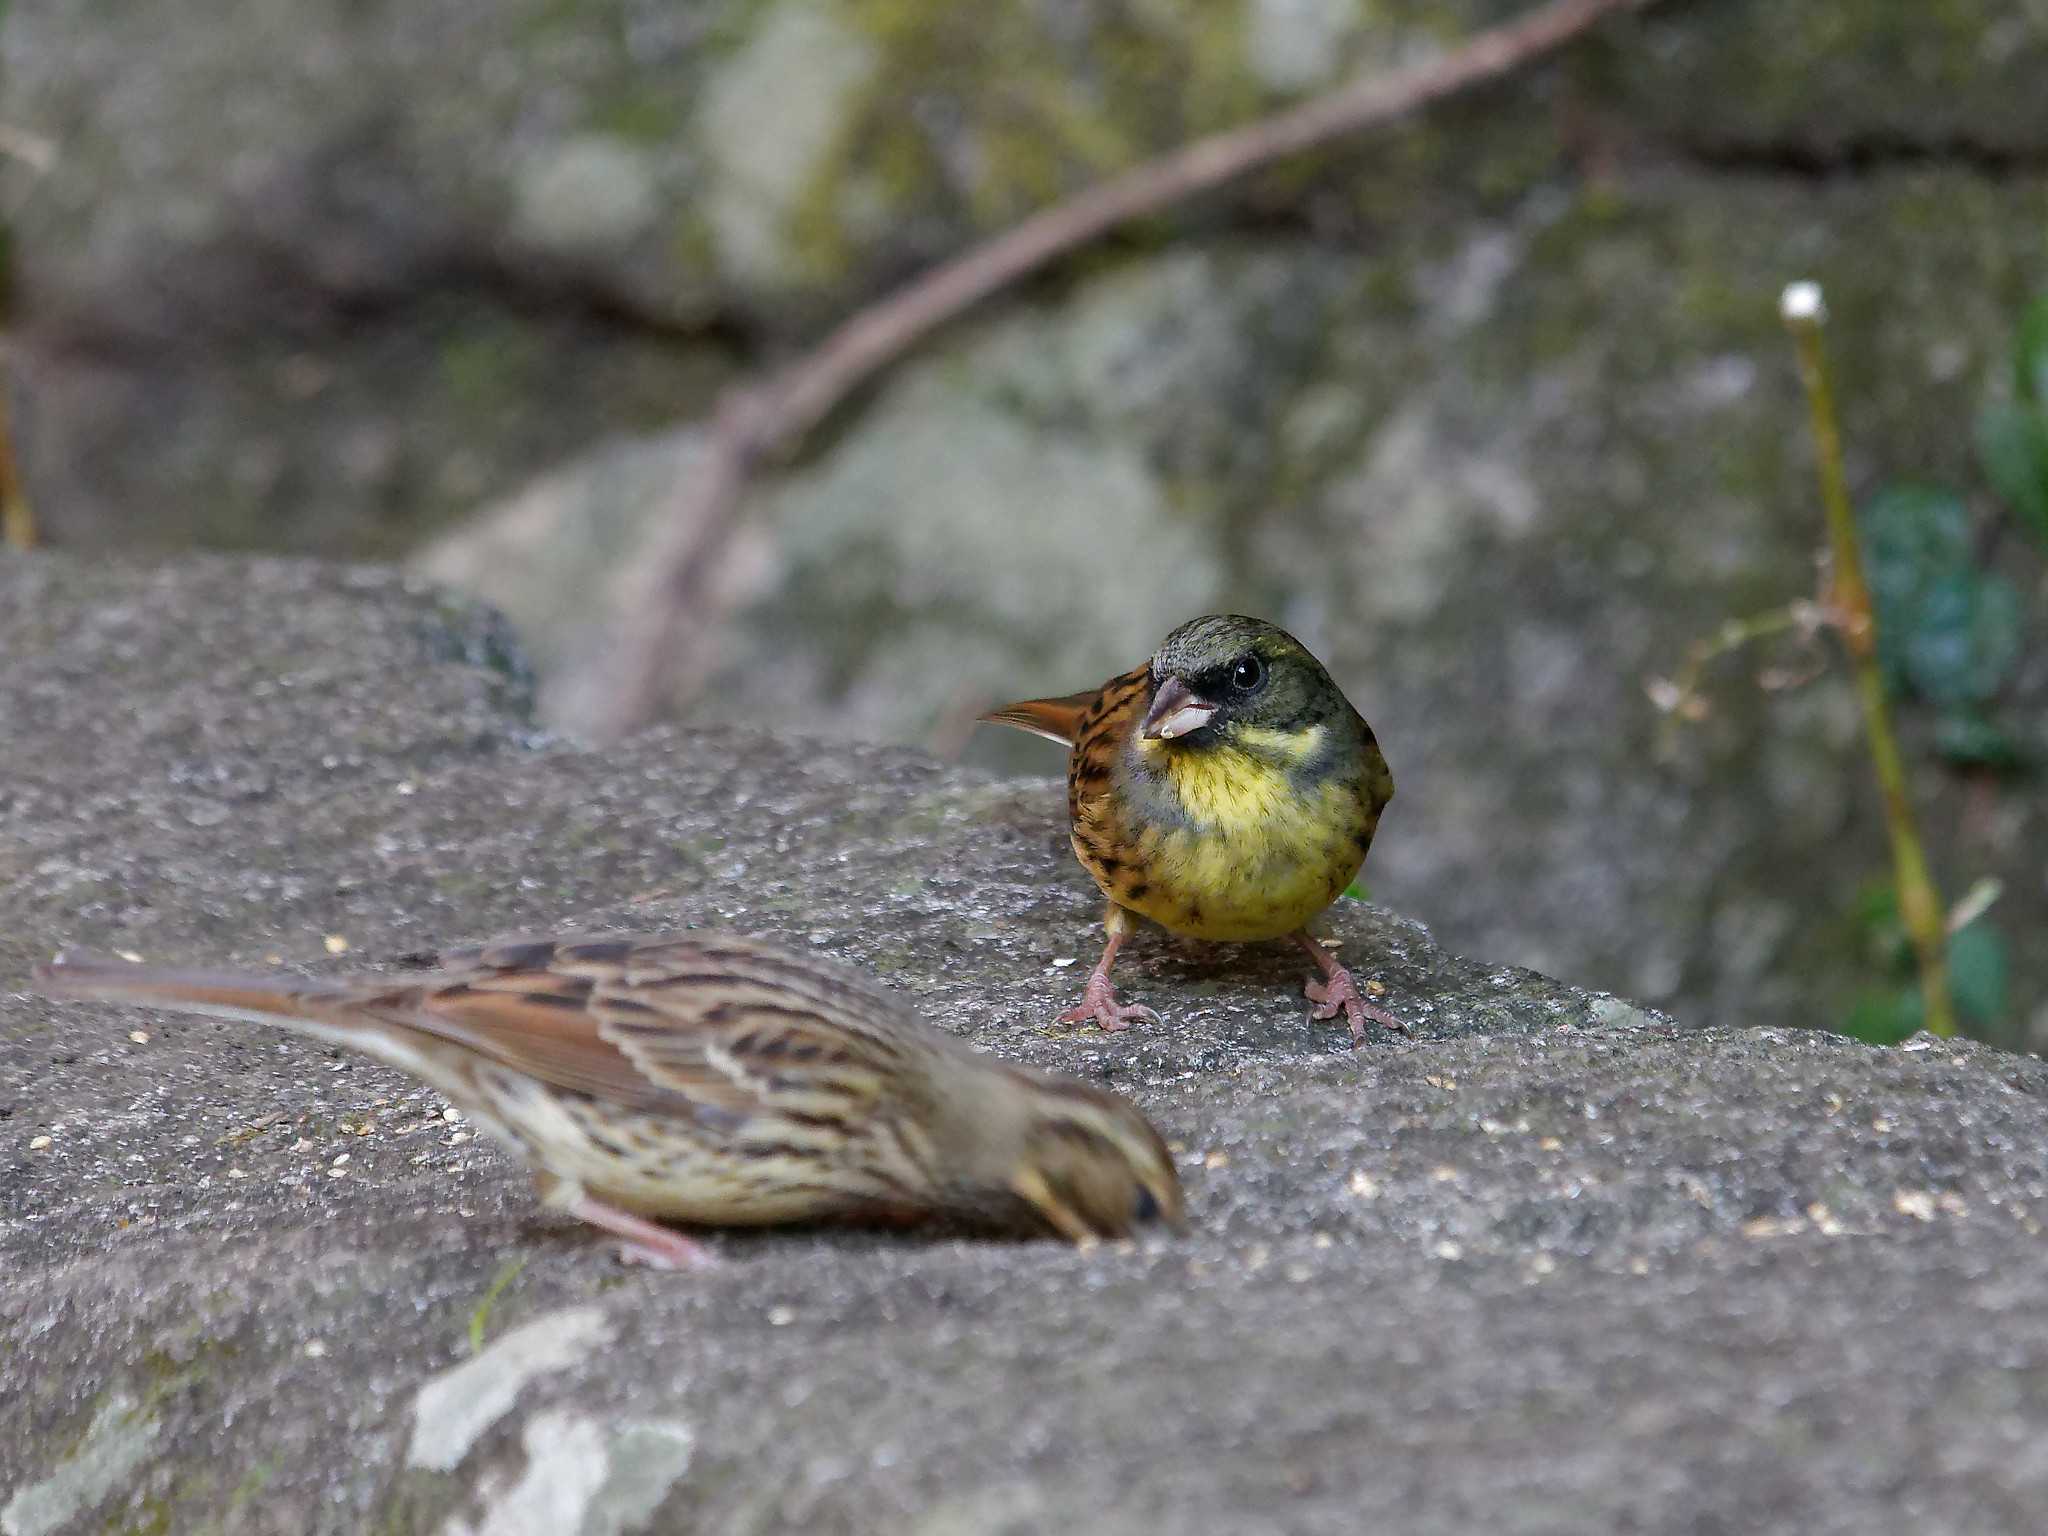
(1554, 1264)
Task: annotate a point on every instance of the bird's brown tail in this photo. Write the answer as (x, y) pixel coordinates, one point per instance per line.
(364, 1016)
(1055, 719)
(283, 1000)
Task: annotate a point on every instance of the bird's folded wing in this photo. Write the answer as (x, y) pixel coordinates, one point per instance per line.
(714, 1021)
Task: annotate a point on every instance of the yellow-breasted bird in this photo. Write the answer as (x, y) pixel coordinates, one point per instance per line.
(711, 1079)
(1227, 790)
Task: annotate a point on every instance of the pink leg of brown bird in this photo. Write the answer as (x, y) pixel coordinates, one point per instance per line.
(1337, 993)
(1099, 1001)
(646, 1242)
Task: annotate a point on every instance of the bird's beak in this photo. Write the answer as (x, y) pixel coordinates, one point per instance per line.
(1032, 1188)
(1176, 1216)
(1175, 711)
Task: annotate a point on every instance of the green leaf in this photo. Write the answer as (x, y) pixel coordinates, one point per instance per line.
(1358, 891)
(1880, 930)
(2012, 442)
(1960, 638)
(1968, 739)
(1876, 906)
(2030, 353)
(1884, 1018)
(1912, 535)
(1978, 973)
(1910, 531)
(1945, 629)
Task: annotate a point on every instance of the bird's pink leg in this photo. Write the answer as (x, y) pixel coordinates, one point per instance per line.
(1337, 993)
(1099, 1001)
(646, 1242)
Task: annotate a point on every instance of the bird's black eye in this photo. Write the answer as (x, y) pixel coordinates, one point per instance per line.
(1147, 1208)
(1247, 674)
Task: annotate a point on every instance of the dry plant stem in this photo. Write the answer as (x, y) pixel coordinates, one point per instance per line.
(1682, 699)
(1734, 635)
(669, 617)
(1919, 903)
(1685, 696)
(17, 520)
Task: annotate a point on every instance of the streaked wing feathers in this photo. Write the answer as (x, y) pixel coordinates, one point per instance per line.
(676, 1024)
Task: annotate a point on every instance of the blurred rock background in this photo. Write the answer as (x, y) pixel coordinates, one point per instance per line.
(1493, 408)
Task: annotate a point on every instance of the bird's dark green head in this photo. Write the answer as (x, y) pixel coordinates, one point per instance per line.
(1230, 680)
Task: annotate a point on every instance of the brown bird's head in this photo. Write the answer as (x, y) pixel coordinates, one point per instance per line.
(1070, 1159)
(1230, 679)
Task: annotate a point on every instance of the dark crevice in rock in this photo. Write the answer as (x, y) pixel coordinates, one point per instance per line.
(1868, 154)
(297, 298)
(528, 288)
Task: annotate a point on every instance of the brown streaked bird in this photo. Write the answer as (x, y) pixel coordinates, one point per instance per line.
(712, 1080)
(1227, 790)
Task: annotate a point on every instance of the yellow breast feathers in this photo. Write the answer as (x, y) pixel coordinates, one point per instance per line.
(1261, 852)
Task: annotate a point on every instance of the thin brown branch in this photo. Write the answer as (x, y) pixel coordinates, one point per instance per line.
(669, 617)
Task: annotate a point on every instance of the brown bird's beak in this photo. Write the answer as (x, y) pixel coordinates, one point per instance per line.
(1176, 710)
(1031, 1187)
(1176, 1217)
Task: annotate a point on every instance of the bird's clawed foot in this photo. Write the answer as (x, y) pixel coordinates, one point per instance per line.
(644, 1242)
(681, 1254)
(1336, 993)
(1099, 1003)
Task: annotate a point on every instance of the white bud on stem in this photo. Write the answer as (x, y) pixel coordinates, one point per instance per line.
(1801, 302)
